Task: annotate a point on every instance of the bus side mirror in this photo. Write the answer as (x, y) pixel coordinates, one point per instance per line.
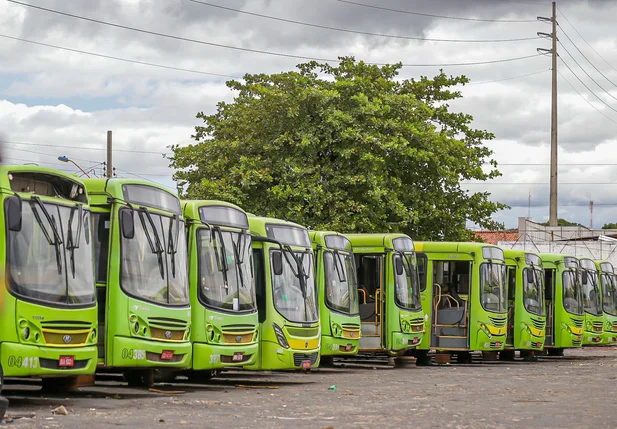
(127, 220)
(398, 265)
(13, 213)
(585, 277)
(530, 276)
(277, 263)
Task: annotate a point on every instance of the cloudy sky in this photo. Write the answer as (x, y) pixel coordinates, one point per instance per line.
(61, 102)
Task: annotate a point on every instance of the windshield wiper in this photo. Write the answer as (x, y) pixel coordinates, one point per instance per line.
(172, 245)
(57, 240)
(239, 260)
(221, 255)
(339, 271)
(72, 243)
(155, 246)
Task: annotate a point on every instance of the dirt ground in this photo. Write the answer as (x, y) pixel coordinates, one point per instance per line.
(576, 391)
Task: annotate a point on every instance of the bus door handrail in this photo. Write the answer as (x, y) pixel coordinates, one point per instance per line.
(378, 302)
(363, 295)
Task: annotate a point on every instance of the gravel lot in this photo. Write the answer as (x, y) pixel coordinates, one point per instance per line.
(577, 391)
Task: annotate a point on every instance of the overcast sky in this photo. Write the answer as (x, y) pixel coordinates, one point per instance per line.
(56, 102)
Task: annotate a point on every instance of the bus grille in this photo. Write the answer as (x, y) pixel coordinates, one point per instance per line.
(57, 338)
(497, 322)
(354, 326)
(167, 323)
(300, 357)
(598, 326)
(53, 364)
(238, 337)
(229, 359)
(303, 332)
(66, 325)
(614, 326)
(577, 323)
(538, 324)
(167, 334)
(576, 343)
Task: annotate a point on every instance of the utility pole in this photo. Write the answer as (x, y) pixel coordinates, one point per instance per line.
(553, 51)
(590, 214)
(109, 152)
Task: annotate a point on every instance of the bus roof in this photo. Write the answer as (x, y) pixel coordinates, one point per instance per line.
(135, 191)
(215, 212)
(376, 241)
(42, 181)
(281, 230)
(329, 240)
(604, 266)
(524, 256)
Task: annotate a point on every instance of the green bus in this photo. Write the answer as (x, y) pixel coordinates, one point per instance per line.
(390, 309)
(287, 307)
(592, 303)
(335, 272)
(141, 276)
(526, 306)
(222, 288)
(609, 301)
(565, 315)
(464, 296)
(49, 313)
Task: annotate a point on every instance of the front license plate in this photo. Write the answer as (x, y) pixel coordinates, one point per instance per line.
(167, 355)
(348, 347)
(66, 361)
(306, 364)
(415, 341)
(498, 344)
(237, 357)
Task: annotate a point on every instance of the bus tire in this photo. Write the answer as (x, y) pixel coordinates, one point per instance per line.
(463, 357)
(326, 362)
(422, 358)
(202, 377)
(507, 355)
(139, 377)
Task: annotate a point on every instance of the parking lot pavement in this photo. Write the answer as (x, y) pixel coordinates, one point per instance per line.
(576, 391)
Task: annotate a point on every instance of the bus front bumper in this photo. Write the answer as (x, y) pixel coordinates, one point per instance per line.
(138, 353)
(402, 341)
(274, 357)
(333, 346)
(591, 338)
(211, 356)
(23, 360)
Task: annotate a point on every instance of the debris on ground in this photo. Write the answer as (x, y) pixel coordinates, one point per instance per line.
(168, 392)
(60, 411)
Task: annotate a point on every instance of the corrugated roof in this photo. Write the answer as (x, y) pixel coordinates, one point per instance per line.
(493, 237)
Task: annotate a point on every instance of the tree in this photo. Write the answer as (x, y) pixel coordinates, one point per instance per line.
(346, 148)
(562, 222)
(609, 226)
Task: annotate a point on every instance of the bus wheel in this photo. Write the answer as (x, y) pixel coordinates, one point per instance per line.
(60, 384)
(555, 352)
(165, 375)
(422, 358)
(326, 362)
(139, 377)
(506, 355)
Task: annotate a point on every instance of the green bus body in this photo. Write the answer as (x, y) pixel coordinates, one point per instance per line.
(526, 305)
(464, 296)
(564, 307)
(390, 307)
(142, 280)
(289, 328)
(335, 273)
(223, 311)
(592, 303)
(609, 301)
(49, 313)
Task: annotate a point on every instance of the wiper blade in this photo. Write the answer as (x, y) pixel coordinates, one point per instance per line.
(299, 271)
(57, 240)
(339, 271)
(238, 259)
(155, 246)
(72, 243)
(221, 255)
(172, 246)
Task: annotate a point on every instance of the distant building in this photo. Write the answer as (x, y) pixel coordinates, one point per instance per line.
(494, 237)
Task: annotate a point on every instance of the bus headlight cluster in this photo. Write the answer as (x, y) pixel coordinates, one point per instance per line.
(280, 336)
(337, 330)
(484, 329)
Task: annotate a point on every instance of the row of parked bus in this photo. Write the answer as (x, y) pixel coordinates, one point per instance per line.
(120, 275)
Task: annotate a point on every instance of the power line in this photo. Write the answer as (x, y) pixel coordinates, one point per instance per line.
(584, 40)
(429, 15)
(586, 204)
(535, 183)
(585, 71)
(140, 177)
(588, 89)
(588, 60)
(82, 148)
(587, 101)
(507, 78)
(110, 57)
(50, 154)
(257, 51)
(364, 33)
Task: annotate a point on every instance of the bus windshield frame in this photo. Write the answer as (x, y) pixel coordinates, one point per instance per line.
(493, 287)
(341, 283)
(407, 284)
(571, 292)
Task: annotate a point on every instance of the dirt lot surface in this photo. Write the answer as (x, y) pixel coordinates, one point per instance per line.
(576, 391)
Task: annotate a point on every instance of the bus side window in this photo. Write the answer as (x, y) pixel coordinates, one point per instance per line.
(260, 283)
(549, 276)
(422, 268)
(368, 268)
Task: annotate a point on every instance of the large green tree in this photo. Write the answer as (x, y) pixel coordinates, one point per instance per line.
(350, 148)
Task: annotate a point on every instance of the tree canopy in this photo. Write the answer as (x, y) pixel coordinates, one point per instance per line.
(609, 226)
(350, 148)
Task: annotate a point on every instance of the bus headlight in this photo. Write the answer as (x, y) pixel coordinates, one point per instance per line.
(26, 333)
(484, 329)
(280, 336)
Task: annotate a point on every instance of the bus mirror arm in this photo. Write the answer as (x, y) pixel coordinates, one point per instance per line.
(13, 213)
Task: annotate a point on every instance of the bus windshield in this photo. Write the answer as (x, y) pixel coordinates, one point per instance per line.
(154, 261)
(341, 291)
(608, 297)
(294, 289)
(592, 299)
(533, 292)
(407, 294)
(50, 258)
(493, 287)
(572, 297)
(225, 273)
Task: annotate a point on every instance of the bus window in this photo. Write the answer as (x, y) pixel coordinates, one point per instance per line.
(369, 269)
(260, 283)
(100, 222)
(422, 268)
(511, 284)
